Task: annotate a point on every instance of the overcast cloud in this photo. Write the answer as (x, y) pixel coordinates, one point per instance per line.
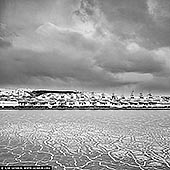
(116, 45)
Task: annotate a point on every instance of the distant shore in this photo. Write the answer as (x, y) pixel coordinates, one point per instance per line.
(77, 100)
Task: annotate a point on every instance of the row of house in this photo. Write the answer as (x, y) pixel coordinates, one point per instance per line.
(72, 99)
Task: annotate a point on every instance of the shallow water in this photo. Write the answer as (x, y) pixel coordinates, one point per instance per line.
(94, 140)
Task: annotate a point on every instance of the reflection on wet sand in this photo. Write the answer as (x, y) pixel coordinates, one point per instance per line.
(94, 140)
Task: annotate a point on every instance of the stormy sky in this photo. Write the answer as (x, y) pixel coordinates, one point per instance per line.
(108, 45)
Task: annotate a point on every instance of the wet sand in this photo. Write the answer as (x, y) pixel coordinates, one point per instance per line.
(94, 140)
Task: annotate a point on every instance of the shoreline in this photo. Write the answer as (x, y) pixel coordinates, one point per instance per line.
(80, 108)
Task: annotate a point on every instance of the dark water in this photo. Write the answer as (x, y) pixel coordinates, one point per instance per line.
(91, 140)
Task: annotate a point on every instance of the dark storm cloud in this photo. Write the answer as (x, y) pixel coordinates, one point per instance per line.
(4, 44)
(2, 7)
(132, 19)
(52, 66)
(119, 60)
(121, 10)
(87, 43)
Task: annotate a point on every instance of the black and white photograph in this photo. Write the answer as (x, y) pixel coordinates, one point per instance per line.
(85, 84)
